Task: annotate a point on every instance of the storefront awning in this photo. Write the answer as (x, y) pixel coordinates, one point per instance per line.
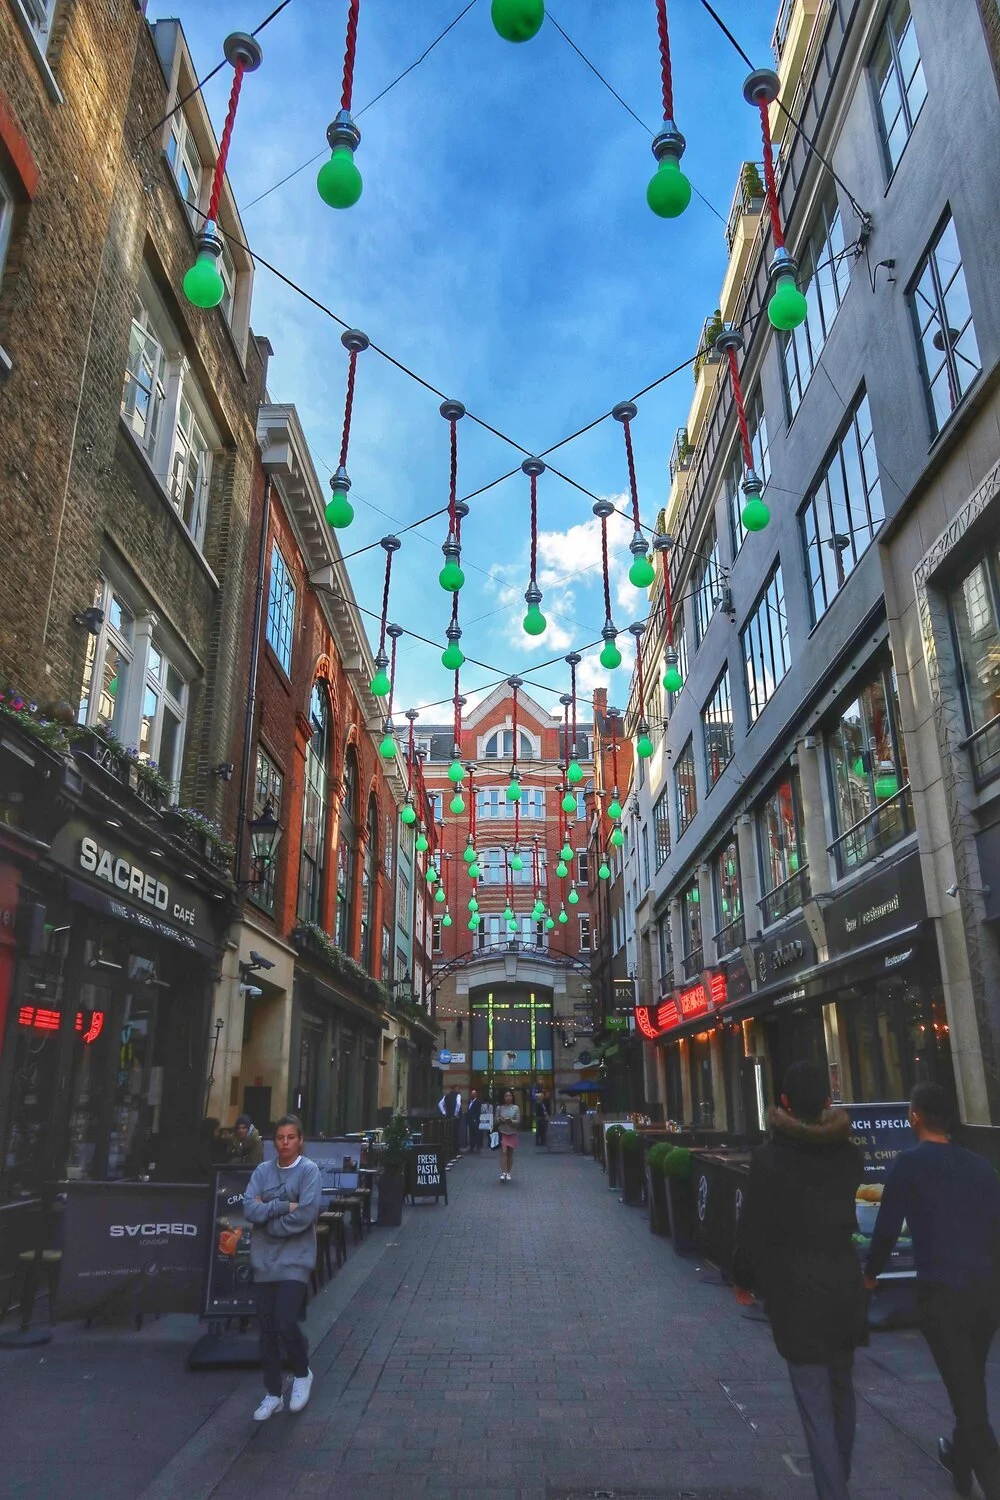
(143, 921)
(356, 1008)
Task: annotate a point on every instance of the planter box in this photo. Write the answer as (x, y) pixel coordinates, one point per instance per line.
(680, 1207)
(391, 1188)
(632, 1175)
(612, 1162)
(719, 1186)
(656, 1193)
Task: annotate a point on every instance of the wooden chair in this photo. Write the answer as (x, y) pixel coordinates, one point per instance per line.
(49, 1262)
(334, 1221)
(323, 1269)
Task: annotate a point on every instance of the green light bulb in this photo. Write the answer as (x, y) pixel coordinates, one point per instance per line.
(641, 573)
(474, 871)
(339, 511)
(452, 657)
(446, 919)
(574, 772)
(562, 869)
(473, 922)
(421, 845)
(644, 747)
(549, 924)
(566, 853)
(203, 283)
(563, 918)
(755, 514)
(408, 814)
(604, 873)
(669, 192)
(457, 804)
(507, 914)
(672, 680)
(516, 862)
(338, 180)
(534, 621)
(439, 894)
(517, 20)
(512, 925)
(696, 896)
(615, 810)
(617, 838)
(787, 307)
(569, 803)
(513, 792)
(886, 786)
(380, 685)
(451, 577)
(432, 875)
(455, 772)
(473, 904)
(611, 657)
(469, 854)
(573, 896)
(387, 749)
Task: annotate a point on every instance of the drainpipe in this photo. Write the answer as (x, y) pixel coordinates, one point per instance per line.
(258, 610)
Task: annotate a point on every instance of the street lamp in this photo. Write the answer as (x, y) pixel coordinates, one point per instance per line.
(265, 836)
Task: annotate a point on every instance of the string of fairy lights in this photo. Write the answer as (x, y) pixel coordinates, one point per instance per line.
(668, 194)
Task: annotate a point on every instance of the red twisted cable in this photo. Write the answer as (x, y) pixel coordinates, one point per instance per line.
(454, 521)
(631, 474)
(458, 711)
(385, 603)
(604, 564)
(668, 602)
(572, 689)
(239, 67)
(513, 767)
(534, 525)
(642, 685)
(517, 822)
(409, 760)
(566, 732)
(665, 68)
(352, 44)
(741, 414)
(348, 408)
(777, 233)
(392, 675)
(614, 751)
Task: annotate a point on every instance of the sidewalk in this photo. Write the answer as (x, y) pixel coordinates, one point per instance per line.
(531, 1339)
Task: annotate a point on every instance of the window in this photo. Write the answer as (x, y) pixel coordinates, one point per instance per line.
(190, 465)
(387, 850)
(728, 893)
(404, 899)
(133, 687)
(680, 646)
(6, 219)
(347, 851)
(764, 639)
(898, 75)
(182, 154)
(949, 353)
(40, 14)
(645, 857)
(267, 788)
(437, 805)
(144, 394)
(314, 806)
(369, 877)
(492, 803)
(280, 610)
(500, 746)
(687, 795)
(779, 824)
(661, 830)
(583, 867)
(228, 272)
(436, 931)
(584, 934)
(824, 275)
(705, 583)
(843, 513)
(974, 617)
(386, 969)
(868, 769)
(757, 426)
(717, 719)
(691, 920)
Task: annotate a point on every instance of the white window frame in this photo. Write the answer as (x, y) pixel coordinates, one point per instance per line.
(586, 936)
(7, 206)
(279, 628)
(40, 15)
(182, 153)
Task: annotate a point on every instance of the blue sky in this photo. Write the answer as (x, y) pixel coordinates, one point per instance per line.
(503, 249)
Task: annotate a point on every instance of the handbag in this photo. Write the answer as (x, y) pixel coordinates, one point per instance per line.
(494, 1140)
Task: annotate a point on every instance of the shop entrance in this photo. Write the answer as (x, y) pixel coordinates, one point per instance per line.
(794, 1036)
(511, 1030)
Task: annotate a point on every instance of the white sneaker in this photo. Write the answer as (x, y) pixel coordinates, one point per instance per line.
(301, 1386)
(268, 1407)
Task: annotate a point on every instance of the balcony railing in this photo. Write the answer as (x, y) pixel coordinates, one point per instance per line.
(707, 353)
(731, 937)
(890, 823)
(682, 453)
(747, 199)
(786, 897)
(693, 963)
(781, 26)
(984, 752)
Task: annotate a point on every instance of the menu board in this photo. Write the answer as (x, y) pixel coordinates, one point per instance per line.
(881, 1131)
(229, 1283)
(426, 1174)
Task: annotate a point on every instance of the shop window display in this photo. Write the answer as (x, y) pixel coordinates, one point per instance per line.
(779, 830)
(868, 769)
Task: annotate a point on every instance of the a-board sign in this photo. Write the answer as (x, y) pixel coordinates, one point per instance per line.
(229, 1281)
(132, 1247)
(882, 1131)
(426, 1176)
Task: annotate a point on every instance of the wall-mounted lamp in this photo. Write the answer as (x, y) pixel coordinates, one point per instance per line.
(976, 890)
(224, 770)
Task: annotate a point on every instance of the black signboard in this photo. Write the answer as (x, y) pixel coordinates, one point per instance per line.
(737, 980)
(425, 1173)
(229, 1283)
(132, 1248)
(888, 901)
(882, 1131)
(785, 954)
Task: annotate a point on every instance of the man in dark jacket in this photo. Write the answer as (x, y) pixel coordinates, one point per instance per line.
(248, 1147)
(950, 1198)
(795, 1249)
(473, 1110)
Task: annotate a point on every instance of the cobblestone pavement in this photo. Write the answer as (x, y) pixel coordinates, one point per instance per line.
(534, 1340)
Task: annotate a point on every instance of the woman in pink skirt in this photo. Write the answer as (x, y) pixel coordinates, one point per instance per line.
(508, 1124)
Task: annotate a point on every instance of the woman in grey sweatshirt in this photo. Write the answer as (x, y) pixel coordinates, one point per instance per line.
(283, 1201)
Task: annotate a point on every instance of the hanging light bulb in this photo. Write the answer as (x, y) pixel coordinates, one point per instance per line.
(643, 745)
(431, 875)
(474, 922)
(408, 813)
(534, 621)
(755, 514)
(610, 657)
(439, 894)
(672, 679)
(474, 870)
(641, 574)
(507, 913)
(512, 925)
(456, 770)
(574, 895)
(569, 802)
(513, 792)
(451, 576)
(615, 807)
(338, 181)
(421, 844)
(516, 862)
(566, 852)
(457, 803)
(452, 656)
(203, 283)
(446, 919)
(380, 686)
(574, 771)
(669, 191)
(549, 923)
(473, 903)
(339, 510)
(604, 871)
(517, 20)
(469, 852)
(387, 749)
(787, 307)
(562, 869)
(617, 837)
(563, 916)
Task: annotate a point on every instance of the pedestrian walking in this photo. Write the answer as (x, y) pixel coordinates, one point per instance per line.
(795, 1249)
(543, 1110)
(473, 1111)
(283, 1200)
(450, 1103)
(950, 1199)
(508, 1122)
(248, 1146)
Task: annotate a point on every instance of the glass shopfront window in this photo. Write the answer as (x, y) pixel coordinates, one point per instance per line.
(974, 614)
(675, 1083)
(702, 1086)
(728, 894)
(897, 1035)
(691, 920)
(867, 763)
(779, 833)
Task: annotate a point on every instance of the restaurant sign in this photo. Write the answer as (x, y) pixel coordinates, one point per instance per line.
(683, 1005)
(777, 957)
(886, 902)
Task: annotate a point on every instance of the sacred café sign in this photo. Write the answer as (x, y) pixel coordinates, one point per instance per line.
(683, 1005)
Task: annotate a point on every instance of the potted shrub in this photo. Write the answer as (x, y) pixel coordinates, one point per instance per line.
(392, 1178)
(753, 187)
(611, 1138)
(677, 1173)
(631, 1151)
(659, 1214)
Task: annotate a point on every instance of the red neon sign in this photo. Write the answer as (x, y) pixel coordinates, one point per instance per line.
(40, 1018)
(685, 1005)
(95, 1026)
(644, 1023)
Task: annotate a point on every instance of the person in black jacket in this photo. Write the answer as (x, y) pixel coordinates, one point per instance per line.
(950, 1198)
(795, 1249)
(473, 1110)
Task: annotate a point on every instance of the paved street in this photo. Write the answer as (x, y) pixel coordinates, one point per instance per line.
(531, 1340)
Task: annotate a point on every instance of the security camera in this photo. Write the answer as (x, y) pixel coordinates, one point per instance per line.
(259, 962)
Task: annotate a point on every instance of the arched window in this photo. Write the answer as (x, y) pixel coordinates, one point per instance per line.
(314, 806)
(500, 746)
(369, 875)
(347, 850)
